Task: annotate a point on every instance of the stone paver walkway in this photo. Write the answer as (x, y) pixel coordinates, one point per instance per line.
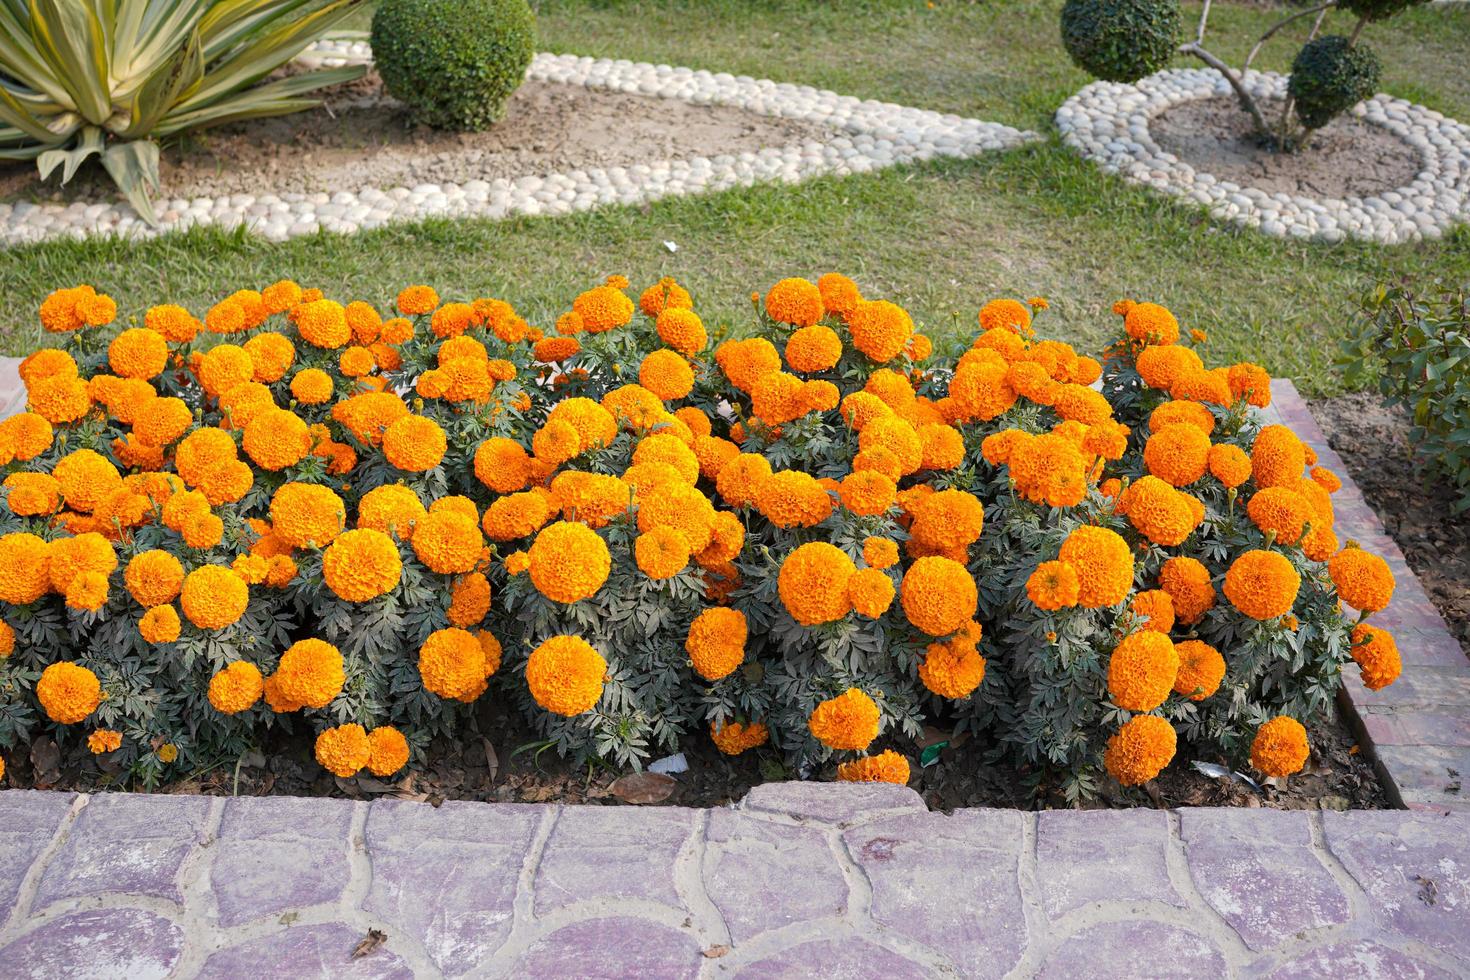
(803, 879)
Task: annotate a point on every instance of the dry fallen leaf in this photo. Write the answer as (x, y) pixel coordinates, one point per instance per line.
(368, 943)
(643, 787)
(715, 952)
(492, 760)
(46, 758)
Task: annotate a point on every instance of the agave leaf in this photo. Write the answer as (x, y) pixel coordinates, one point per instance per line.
(69, 37)
(133, 166)
(163, 89)
(90, 143)
(13, 113)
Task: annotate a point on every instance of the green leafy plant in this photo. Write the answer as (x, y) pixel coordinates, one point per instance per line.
(455, 63)
(1416, 346)
(1120, 40)
(111, 78)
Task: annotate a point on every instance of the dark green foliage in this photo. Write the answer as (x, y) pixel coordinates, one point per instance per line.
(1120, 40)
(1329, 76)
(1417, 347)
(1377, 9)
(455, 63)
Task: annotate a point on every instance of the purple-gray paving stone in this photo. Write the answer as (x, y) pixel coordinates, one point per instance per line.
(1415, 868)
(100, 943)
(1433, 774)
(448, 875)
(763, 875)
(831, 802)
(612, 948)
(132, 843)
(1429, 647)
(1258, 870)
(1134, 948)
(28, 822)
(278, 852)
(306, 951)
(1418, 726)
(1350, 960)
(1418, 686)
(608, 853)
(950, 882)
(834, 959)
(1085, 856)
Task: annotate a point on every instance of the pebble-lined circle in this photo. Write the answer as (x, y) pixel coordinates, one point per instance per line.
(1109, 122)
(866, 135)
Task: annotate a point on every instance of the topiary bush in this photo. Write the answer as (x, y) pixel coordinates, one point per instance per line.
(1416, 346)
(1371, 10)
(1120, 40)
(811, 542)
(455, 63)
(1329, 76)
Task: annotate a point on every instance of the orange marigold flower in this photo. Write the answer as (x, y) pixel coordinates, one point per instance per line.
(1156, 609)
(1162, 367)
(880, 329)
(661, 552)
(682, 507)
(361, 565)
(213, 597)
(1229, 464)
(595, 425)
(1141, 671)
(554, 350)
(847, 721)
(77, 555)
(59, 400)
(885, 767)
(795, 301)
(1006, 314)
(387, 751)
(840, 294)
(880, 552)
(813, 583)
(154, 577)
(565, 675)
(667, 374)
(344, 750)
(174, 322)
(236, 688)
(1178, 412)
(1201, 669)
(104, 740)
(516, 516)
(1279, 511)
(312, 387)
(1049, 469)
(871, 592)
(666, 294)
(25, 436)
(603, 308)
(417, 300)
(569, 562)
(1277, 457)
(953, 669)
(681, 329)
(469, 600)
(502, 465)
(310, 673)
(68, 692)
(86, 479)
(138, 353)
(453, 664)
(1188, 583)
(323, 324)
(865, 493)
(160, 624)
(1251, 382)
(414, 444)
(307, 515)
(1162, 514)
(87, 592)
(1262, 584)
(32, 494)
(812, 349)
(1151, 323)
(938, 595)
(1326, 479)
(1140, 750)
(1364, 581)
(733, 738)
(1104, 566)
(1079, 403)
(276, 439)
(716, 642)
(1280, 747)
(1053, 585)
(448, 541)
(1377, 655)
(1177, 453)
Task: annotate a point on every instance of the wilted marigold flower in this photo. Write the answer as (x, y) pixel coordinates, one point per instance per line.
(68, 692)
(885, 767)
(104, 740)
(871, 592)
(1053, 585)
(733, 738)
(1377, 655)
(236, 688)
(1104, 566)
(813, 583)
(1140, 750)
(1364, 581)
(344, 750)
(213, 597)
(1262, 584)
(716, 642)
(1280, 747)
(569, 562)
(847, 721)
(938, 595)
(1201, 669)
(565, 675)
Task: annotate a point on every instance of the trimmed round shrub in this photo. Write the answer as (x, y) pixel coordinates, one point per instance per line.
(1377, 9)
(1120, 40)
(455, 63)
(1330, 76)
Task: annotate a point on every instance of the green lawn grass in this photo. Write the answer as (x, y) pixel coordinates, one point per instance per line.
(939, 238)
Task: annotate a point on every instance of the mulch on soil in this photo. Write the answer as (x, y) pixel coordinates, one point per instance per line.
(1372, 439)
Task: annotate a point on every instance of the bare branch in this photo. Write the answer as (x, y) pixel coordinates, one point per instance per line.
(1230, 76)
(1204, 19)
(1320, 10)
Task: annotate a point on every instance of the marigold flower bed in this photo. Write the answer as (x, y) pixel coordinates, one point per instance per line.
(823, 537)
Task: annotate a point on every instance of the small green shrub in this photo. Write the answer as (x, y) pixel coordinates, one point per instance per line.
(1417, 348)
(1329, 76)
(455, 63)
(1120, 40)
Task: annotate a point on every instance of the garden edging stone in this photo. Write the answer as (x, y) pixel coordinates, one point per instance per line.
(1108, 122)
(866, 135)
(801, 878)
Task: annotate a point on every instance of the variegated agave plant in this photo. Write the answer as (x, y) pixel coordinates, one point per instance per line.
(113, 77)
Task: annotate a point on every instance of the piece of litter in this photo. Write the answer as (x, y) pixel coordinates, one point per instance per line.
(670, 765)
(671, 246)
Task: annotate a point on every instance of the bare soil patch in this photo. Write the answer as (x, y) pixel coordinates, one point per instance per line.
(361, 137)
(1372, 438)
(1346, 158)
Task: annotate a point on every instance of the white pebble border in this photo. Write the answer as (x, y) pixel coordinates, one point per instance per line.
(866, 135)
(1109, 122)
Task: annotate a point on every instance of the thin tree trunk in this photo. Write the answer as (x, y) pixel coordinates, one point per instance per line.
(1246, 100)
